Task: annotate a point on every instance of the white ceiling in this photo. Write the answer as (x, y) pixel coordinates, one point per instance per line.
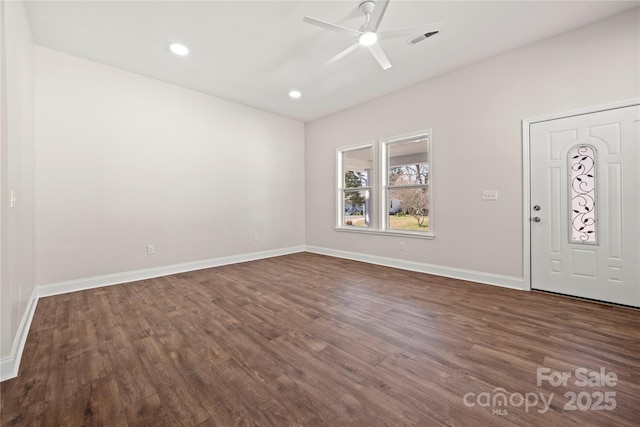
(254, 52)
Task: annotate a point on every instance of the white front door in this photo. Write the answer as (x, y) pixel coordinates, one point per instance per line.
(585, 205)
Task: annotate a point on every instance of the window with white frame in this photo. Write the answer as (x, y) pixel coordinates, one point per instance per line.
(356, 184)
(407, 184)
(385, 186)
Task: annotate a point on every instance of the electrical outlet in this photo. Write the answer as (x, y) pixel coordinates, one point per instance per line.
(151, 249)
(489, 194)
(402, 246)
(256, 237)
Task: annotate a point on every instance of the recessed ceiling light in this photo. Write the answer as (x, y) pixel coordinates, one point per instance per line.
(367, 38)
(295, 94)
(179, 49)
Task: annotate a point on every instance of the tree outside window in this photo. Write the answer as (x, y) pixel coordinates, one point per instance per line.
(385, 186)
(408, 184)
(356, 167)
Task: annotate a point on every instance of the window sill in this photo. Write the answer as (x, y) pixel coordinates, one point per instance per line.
(414, 235)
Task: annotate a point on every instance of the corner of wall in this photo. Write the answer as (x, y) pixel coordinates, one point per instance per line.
(9, 365)
(17, 179)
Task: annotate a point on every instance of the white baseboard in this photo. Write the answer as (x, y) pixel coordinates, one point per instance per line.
(150, 273)
(438, 270)
(9, 365)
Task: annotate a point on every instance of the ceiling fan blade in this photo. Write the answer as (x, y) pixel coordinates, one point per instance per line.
(377, 15)
(410, 31)
(378, 53)
(342, 54)
(329, 26)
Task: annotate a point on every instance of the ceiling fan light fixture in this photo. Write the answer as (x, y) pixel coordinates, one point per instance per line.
(367, 38)
(179, 49)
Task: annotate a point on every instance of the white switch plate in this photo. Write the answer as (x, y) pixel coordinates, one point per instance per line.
(13, 200)
(151, 249)
(489, 194)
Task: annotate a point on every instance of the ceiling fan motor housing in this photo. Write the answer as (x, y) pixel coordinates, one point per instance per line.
(367, 7)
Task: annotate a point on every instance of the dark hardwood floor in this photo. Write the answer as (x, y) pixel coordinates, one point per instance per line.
(309, 340)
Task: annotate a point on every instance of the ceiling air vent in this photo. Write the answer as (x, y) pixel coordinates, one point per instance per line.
(421, 37)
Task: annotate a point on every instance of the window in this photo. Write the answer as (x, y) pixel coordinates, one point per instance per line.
(390, 196)
(582, 193)
(407, 184)
(356, 167)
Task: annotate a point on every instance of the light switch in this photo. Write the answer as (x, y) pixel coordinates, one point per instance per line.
(13, 200)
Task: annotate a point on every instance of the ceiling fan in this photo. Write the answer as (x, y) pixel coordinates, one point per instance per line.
(368, 34)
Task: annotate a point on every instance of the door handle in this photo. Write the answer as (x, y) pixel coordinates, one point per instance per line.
(536, 219)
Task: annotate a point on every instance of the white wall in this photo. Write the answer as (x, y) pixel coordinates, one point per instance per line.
(17, 172)
(124, 161)
(475, 114)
